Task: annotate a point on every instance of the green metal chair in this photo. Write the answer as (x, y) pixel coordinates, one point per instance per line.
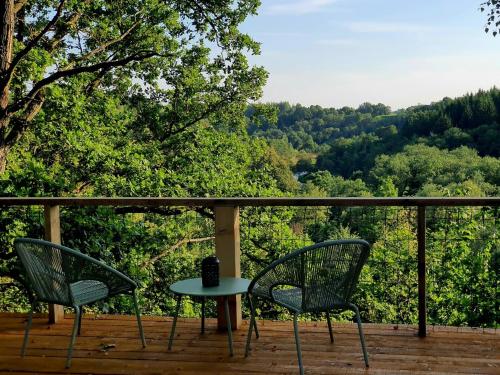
(63, 276)
(317, 278)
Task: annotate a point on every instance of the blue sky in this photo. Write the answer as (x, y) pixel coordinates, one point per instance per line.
(398, 52)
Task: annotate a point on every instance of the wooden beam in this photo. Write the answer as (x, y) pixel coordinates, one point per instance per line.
(422, 308)
(250, 201)
(53, 234)
(227, 249)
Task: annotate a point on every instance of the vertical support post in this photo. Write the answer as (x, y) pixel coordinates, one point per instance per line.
(53, 234)
(422, 309)
(227, 249)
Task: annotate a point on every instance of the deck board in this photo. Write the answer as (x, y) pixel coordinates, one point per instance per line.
(392, 349)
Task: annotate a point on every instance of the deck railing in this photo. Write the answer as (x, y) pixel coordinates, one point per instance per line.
(227, 226)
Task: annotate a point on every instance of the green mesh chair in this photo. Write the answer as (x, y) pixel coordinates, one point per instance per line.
(62, 276)
(317, 278)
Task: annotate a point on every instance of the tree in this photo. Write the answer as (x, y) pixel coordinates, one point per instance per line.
(374, 109)
(420, 170)
(492, 8)
(116, 44)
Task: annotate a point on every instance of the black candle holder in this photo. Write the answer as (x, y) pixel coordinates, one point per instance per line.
(210, 271)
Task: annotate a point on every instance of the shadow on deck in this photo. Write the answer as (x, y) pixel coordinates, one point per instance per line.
(111, 345)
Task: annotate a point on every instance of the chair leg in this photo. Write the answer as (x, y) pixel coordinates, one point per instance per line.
(329, 326)
(297, 344)
(252, 316)
(361, 335)
(27, 332)
(250, 326)
(228, 322)
(249, 335)
(202, 315)
(73, 337)
(139, 322)
(172, 332)
(80, 321)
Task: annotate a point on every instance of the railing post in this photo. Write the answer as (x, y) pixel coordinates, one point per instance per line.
(227, 249)
(53, 234)
(422, 309)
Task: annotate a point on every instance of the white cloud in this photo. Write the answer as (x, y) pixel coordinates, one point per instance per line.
(387, 27)
(298, 7)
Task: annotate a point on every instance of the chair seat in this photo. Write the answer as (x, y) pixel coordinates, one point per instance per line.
(88, 291)
(290, 298)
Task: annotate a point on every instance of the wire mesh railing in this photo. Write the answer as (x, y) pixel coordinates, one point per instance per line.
(462, 256)
(449, 246)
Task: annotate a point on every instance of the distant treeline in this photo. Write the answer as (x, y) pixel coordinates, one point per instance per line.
(423, 142)
(471, 120)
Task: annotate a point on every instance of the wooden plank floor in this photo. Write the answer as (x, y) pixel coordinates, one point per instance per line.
(392, 351)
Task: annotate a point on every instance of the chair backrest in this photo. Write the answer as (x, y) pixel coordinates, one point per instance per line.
(327, 273)
(330, 272)
(44, 264)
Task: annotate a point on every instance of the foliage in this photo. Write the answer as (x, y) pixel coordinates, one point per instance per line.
(492, 8)
(463, 268)
(311, 128)
(191, 56)
(428, 171)
(347, 141)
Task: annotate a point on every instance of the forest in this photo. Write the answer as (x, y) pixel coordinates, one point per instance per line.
(156, 103)
(458, 139)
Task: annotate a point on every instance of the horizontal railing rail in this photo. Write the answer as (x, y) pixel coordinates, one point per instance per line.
(249, 201)
(227, 221)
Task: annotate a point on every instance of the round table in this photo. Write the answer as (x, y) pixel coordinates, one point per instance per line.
(228, 286)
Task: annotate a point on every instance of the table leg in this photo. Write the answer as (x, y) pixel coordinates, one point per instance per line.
(172, 332)
(228, 321)
(202, 315)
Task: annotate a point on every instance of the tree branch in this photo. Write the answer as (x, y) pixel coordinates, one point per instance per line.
(31, 44)
(96, 81)
(102, 47)
(20, 104)
(255, 259)
(206, 212)
(202, 211)
(182, 242)
(148, 210)
(19, 4)
(211, 109)
(21, 123)
(206, 14)
(63, 27)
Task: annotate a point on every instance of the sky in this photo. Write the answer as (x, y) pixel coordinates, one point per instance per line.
(401, 53)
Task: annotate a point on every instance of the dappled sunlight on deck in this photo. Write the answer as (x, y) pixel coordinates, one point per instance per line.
(111, 344)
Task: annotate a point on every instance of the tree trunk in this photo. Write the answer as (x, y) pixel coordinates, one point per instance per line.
(4, 150)
(6, 39)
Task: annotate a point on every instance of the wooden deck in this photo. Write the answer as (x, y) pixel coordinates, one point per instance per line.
(110, 345)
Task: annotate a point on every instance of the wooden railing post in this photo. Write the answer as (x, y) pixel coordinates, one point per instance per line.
(227, 249)
(53, 234)
(422, 309)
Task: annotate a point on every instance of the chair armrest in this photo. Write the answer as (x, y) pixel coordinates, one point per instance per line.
(93, 269)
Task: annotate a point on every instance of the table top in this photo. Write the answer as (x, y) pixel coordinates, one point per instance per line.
(228, 286)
